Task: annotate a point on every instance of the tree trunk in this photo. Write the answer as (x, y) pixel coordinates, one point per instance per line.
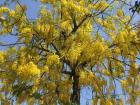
(75, 97)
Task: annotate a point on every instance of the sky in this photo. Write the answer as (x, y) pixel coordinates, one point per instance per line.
(32, 10)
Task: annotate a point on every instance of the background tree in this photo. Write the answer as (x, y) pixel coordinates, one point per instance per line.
(70, 45)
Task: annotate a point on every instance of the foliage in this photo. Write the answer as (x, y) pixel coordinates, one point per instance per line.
(68, 46)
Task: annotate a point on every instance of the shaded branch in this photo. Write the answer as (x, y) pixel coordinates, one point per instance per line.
(11, 44)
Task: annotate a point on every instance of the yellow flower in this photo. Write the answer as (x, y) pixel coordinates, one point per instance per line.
(4, 10)
(43, 12)
(26, 33)
(26, 30)
(94, 101)
(90, 74)
(51, 86)
(28, 71)
(104, 4)
(100, 6)
(82, 75)
(117, 50)
(108, 102)
(133, 33)
(74, 53)
(105, 24)
(46, 1)
(53, 59)
(64, 98)
(43, 28)
(14, 65)
(46, 69)
(106, 72)
(122, 36)
(99, 47)
(43, 1)
(130, 80)
(1, 56)
(12, 14)
(124, 83)
(120, 13)
(64, 2)
(99, 21)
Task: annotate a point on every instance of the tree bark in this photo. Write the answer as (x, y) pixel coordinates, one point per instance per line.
(75, 97)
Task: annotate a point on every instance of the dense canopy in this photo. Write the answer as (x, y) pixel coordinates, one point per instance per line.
(70, 45)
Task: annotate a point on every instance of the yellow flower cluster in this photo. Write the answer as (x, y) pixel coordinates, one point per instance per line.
(64, 98)
(124, 83)
(74, 53)
(106, 72)
(124, 41)
(87, 49)
(26, 33)
(108, 102)
(99, 47)
(43, 12)
(47, 1)
(51, 86)
(44, 1)
(28, 71)
(117, 51)
(14, 65)
(77, 7)
(53, 59)
(1, 56)
(4, 10)
(12, 14)
(64, 88)
(100, 5)
(43, 28)
(86, 77)
(107, 24)
(66, 25)
(64, 2)
(133, 69)
(122, 36)
(3, 19)
(46, 69)
(120, 13)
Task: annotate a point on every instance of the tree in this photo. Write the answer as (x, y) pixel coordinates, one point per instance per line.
(72, 44)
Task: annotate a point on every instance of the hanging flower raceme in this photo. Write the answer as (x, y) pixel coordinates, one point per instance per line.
(124, 83)
(26, 34)
(1, 57)
(53, 60)
(101, 5)
(4, 10)
(99, 47)
(28, 71)
(74, 53)
(86, 78)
